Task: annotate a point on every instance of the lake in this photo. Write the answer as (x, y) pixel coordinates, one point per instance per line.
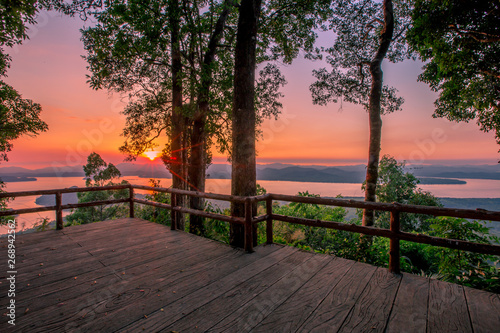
(475, 188)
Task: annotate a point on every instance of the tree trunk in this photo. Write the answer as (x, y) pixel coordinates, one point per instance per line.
(197, 169)
(198, 158)
(177, 117)
(243, 181)
(374, 111)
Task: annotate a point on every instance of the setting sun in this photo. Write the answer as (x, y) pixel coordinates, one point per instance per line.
(152, 155)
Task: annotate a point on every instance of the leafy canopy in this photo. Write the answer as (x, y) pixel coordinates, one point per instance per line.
(395, 184)
(129, 51)
(99, 173)
(18, 116)
(358, 25)
(460, 43)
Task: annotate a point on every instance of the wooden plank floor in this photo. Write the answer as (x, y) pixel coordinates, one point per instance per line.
(131, 275)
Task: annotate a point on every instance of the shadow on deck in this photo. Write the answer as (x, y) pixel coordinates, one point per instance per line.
(131, 275)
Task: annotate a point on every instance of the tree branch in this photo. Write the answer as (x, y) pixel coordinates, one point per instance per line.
(478, 36)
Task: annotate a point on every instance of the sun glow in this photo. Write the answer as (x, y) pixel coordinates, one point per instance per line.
(152, 155)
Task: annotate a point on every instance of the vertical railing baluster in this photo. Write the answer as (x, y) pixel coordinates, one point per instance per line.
(269, 221)
(131, 203)
(248, 225)
(59, 217)
(394, 243)
(173, 214)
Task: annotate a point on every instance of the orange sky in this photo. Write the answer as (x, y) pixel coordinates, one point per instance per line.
(49, 70)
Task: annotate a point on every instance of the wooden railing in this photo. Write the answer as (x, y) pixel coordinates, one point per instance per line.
(394, 233)
(58, 208)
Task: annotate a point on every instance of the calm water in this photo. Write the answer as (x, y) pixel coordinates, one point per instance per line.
(475, 188)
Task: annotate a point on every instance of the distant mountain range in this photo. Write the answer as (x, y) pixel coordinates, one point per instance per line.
(429, 174)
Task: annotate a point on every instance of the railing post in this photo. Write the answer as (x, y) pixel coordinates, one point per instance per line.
(173, 214)
(394, 244)
(131, 203)
(59, 217)
(248, 225)
(269, 221)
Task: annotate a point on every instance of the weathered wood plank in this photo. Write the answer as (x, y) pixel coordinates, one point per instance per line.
(127, 233)
(164, 262)
(48, 254)
(484, 309)
(67, 269)
(373, 307)
(447, 308)
(94, 305)
(208, 315)
(105, 225)
(409, 312)
(138, 276)
(163, 316)
(124, 301)
(253, 312)
(153, 270)
(40, 240)
(331, 313)
(290, 315)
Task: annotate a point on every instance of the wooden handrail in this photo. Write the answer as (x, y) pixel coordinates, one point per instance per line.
(59, 207)
(394, 233)
(62, 190)
(479, 214)
(230, 219)
(215, 196)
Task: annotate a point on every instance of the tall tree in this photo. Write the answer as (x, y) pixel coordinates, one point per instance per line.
(243, 176)
(396, 184)
(99, 173)
(460, 44)
(367, 33)
(18, 116)
(130, 50)
(286, 27)
(167, 53)
(136, 48)
(198, 159)
(177, 153)
(374, 109)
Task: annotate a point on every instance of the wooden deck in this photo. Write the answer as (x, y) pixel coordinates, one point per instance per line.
(131, 275)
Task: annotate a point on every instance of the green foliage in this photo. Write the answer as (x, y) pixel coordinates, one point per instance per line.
(418, 258)
(129, 51)
(471, 269)
(42, 224)
(357, 26)
(459, 41)
(3, 205)
(14, 16)
(323, 240)
(102, 174)
(286, 27)
(397, 185)
(18, 116)
(466, 268)
(216, 229)
(99, 171)
(153, 214)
